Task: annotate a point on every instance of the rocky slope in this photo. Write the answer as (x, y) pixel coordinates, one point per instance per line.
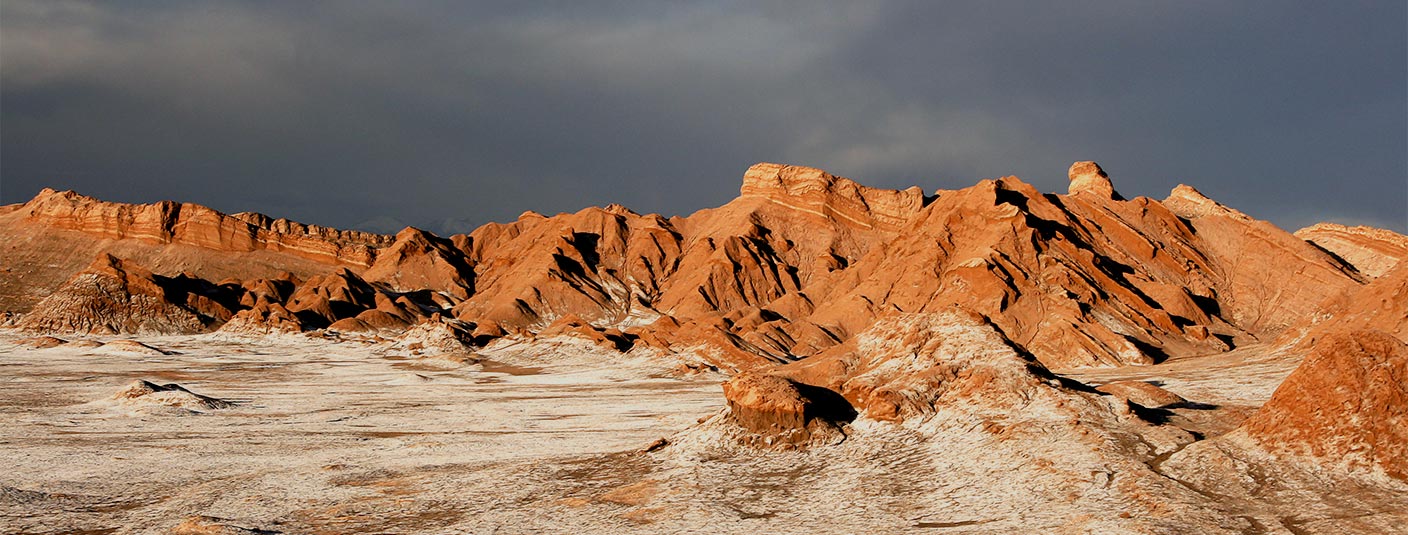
(193, 224)
(47, 240)
(1381, 305)
(800, 262)
(1346, 403)
(112, 296)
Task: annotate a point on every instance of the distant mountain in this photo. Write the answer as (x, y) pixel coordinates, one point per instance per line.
(381, 225)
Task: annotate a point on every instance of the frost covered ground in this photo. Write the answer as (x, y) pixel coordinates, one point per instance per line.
(325, 437)
(331, 436)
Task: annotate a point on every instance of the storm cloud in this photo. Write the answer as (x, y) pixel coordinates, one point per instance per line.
(340, 113)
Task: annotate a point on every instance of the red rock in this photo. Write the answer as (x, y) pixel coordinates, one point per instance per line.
(193, 224)
(1381, 305)
(801, 262)
(1251, 262)
(576, 327)
(1346, 403)
(378, 320)
(418, 260)
(778, 411)
(46, 241)
(326, 299)
(113, 296)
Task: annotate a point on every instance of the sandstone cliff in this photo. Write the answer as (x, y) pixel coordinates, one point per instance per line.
(47, 240)
(193, 224)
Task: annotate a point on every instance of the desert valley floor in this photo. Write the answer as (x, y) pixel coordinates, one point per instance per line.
(328, 436)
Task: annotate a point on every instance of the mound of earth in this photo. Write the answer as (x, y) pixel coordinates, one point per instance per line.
(129, 347)
(145, 393)
(437, 338)
(41, 342)
(914, 365)
(263, 318)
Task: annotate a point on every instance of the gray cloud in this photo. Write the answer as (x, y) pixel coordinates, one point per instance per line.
(345, 112)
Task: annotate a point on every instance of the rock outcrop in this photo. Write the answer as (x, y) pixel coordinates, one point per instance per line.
(1372, 251)
(438, 338)
(47, 240)
(1088, 177)
(263, 318)
(1252, 264)
(332, 297)
(1381, 305)
(777, 411)
(1142, 393)
(816, 192)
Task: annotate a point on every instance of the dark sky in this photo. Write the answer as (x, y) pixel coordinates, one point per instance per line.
(340, 113)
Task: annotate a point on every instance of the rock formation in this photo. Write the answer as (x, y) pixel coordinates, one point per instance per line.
(193, 224)
(1347, 403)
(263, 318)
(1088, 177)
(777, 411)
(1371, 251)
(440, 338)
(1254, 262)
(816, 192)
(1381, 305)
(1142, 393)
(141, 393)
(801, 262)
(573, 326)
(113, 296)
(909, 365)
(418, 260)
(47, 240)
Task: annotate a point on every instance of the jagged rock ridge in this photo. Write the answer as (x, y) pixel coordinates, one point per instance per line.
(801, 262)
